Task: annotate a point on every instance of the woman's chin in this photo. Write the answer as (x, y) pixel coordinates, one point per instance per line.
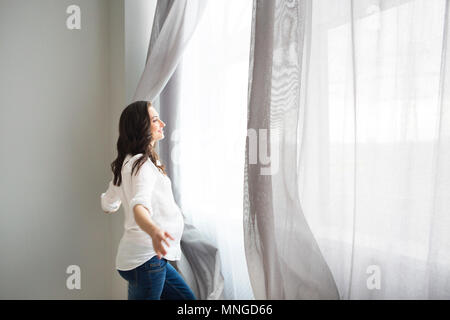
(159, 136)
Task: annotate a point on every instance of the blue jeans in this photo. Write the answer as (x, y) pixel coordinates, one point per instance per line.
(154, 280)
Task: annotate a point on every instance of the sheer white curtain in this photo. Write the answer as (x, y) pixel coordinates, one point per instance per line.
(375, 145)
(208, 143)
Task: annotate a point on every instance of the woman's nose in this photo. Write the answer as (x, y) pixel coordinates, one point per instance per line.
(163, 124)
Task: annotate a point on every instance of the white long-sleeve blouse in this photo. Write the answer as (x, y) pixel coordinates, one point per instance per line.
(153, 190)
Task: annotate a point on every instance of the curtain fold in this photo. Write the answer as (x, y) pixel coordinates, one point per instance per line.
(204, 104)
(177, 22)
(283, 258)
(173, 26)
(438, 261)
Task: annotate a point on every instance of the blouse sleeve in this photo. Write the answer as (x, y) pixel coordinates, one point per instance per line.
(143, 183)
(110, 200)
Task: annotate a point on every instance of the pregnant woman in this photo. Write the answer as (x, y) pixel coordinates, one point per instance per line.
(153, 221)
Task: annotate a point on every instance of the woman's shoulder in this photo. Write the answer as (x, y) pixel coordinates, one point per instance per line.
(131, 159)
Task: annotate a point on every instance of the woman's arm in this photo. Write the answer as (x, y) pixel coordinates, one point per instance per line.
(141, 204)
(143, 219)
(110, 200)
(145, 222)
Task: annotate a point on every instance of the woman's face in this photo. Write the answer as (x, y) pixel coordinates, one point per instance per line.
(156, 125)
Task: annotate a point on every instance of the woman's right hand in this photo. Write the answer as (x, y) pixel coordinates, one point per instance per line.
(158, 237)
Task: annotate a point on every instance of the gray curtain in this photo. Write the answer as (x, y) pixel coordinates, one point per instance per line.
(283, 258)
(173, 26)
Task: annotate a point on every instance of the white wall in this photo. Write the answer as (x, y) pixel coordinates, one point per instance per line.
(61, 95)
(116, 105)
(54, 124)
(138, 25)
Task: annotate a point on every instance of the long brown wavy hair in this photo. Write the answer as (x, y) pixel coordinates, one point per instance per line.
(134, 138)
